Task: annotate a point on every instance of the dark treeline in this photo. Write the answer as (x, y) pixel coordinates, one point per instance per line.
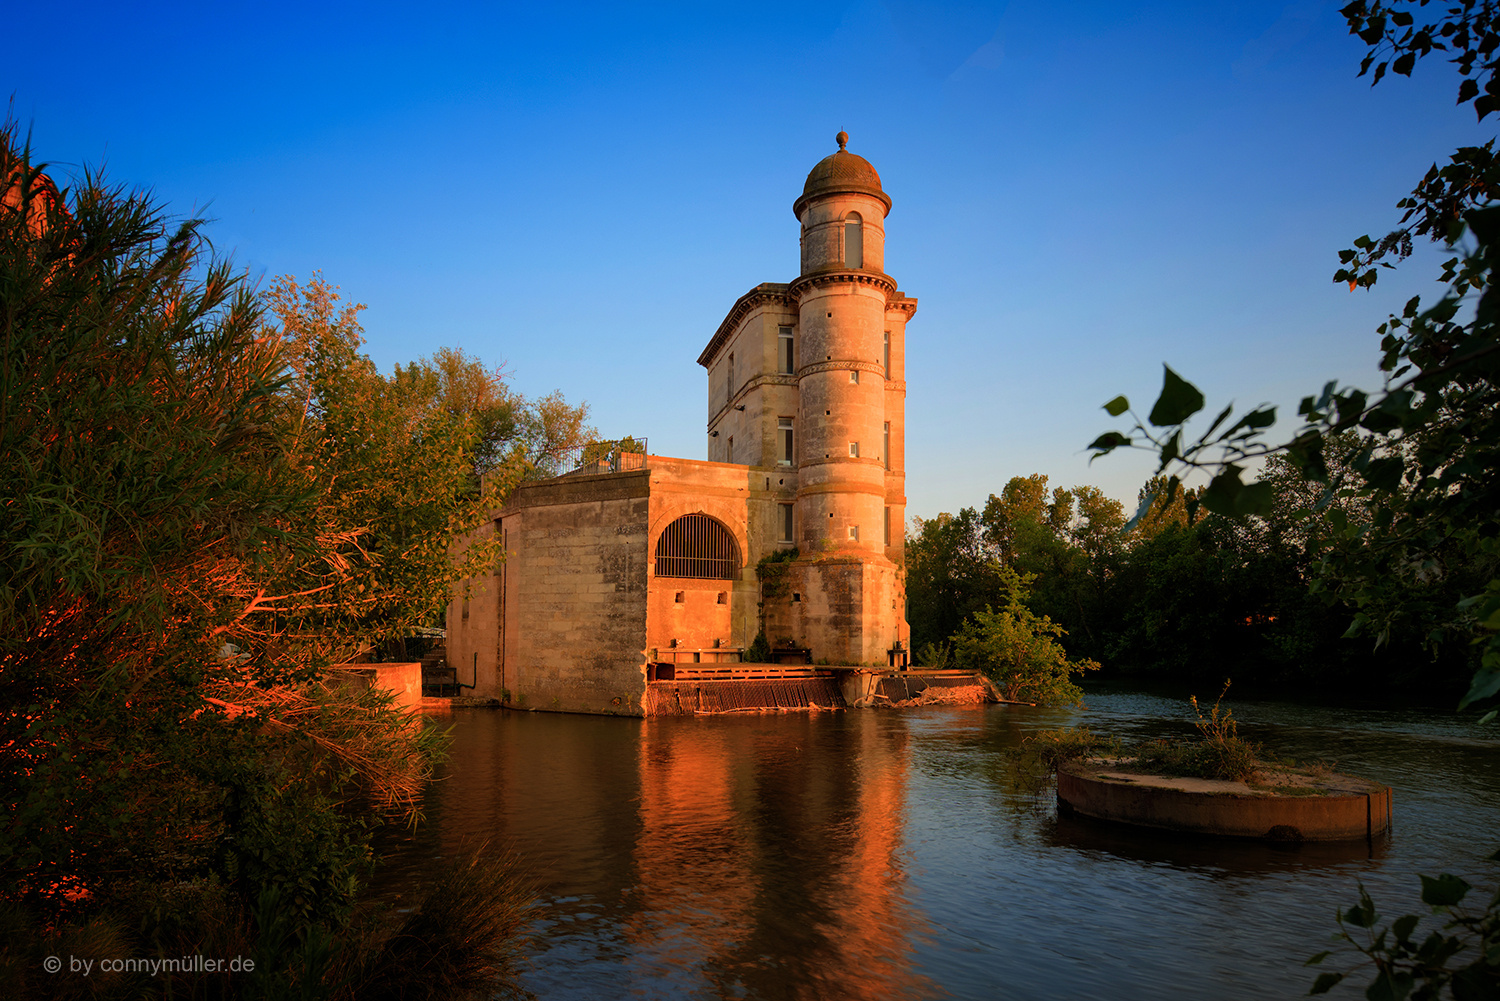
(1186, 603)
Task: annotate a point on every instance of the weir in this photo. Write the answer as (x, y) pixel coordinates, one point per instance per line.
(682, 691)
(678, 690)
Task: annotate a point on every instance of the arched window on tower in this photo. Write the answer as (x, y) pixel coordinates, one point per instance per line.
(697, 546)
(854, 241)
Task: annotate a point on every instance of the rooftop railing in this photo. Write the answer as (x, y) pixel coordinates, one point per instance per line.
(594, 459)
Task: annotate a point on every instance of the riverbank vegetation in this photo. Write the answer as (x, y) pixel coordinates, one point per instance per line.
(1402, 481)
(1172, 601)
(213, 497)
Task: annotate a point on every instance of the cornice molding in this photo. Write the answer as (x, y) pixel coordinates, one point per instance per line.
(754, 383)
(760, 295)
(901, 303)
(821, 278)
(834, 365)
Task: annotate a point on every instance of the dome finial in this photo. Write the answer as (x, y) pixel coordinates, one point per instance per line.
(842, 139)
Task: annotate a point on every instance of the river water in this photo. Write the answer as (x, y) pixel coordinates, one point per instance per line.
(894, 854)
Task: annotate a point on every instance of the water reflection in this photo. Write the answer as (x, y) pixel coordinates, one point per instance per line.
(869, 854)
(1073, 832)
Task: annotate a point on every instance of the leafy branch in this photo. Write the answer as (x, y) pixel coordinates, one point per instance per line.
(1406, 966)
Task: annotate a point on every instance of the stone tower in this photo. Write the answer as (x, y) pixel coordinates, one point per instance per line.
(851, 493)
(807, 383)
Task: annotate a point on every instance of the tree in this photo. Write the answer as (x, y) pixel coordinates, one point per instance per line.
(951, 573)
(399, 466)
(1428, 466)
(190, 530)
(1018, 650)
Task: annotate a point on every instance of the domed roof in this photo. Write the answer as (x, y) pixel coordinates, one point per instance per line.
(840, 172)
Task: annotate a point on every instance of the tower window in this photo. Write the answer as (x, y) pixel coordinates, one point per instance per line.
(854, 450)
(786, 522)
(885, 354)
(730, 456)
(887, 526)
(854, 533)
(784, 359)
(854, 241)
(729, 380)
(854, 376)
(784, 432)
(885, 450)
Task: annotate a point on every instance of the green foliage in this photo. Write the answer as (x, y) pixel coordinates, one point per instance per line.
(759, 651)
(936, 656)
(951, 573)
(1218, 753)
(462, 939)
(203, 513)
(1461, 959)
(1017, 650)
(1053, 747)
(772, 572)
(398, 467)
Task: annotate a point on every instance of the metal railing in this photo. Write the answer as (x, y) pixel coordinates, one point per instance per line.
(594, 459)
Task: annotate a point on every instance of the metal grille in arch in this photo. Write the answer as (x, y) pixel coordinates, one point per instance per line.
(697, 546)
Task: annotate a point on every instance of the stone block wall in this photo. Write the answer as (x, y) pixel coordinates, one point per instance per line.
(569, 598)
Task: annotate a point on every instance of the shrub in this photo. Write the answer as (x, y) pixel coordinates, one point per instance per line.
(1018, 650)
(1218, 753)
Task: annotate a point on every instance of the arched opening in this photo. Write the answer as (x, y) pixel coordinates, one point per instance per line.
(697, 546)
(854, 241)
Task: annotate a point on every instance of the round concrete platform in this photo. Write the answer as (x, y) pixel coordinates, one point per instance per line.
(1283, 805)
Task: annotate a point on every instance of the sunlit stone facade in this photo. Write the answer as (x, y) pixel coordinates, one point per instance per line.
(609, 578)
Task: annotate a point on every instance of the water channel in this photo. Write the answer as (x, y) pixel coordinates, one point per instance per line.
(892, 853)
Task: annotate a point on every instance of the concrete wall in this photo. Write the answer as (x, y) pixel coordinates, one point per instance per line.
(401, 679)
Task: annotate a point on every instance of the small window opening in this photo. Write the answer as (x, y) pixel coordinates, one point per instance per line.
(723, 598)
(854, 450)
(784, 357)
(786, 523)
(678, 599)
(854, 376)
(886, 354)
(854, 241)
(854, 533)
(784, 432)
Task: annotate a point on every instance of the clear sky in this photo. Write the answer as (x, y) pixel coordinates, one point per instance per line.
(1081, 191)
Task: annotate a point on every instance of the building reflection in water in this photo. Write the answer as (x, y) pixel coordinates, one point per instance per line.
(768, 857)
(749, 856)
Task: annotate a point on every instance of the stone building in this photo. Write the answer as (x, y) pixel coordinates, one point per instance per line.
(643, 570)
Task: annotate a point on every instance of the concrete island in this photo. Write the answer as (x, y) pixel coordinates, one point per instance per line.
(1282, 804)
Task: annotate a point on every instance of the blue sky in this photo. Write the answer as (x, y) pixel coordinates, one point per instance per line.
(1081, 191)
